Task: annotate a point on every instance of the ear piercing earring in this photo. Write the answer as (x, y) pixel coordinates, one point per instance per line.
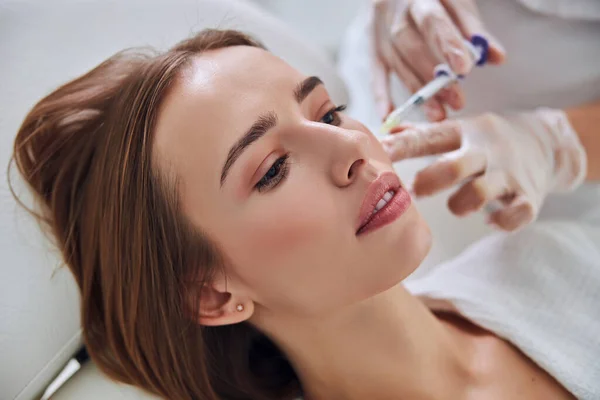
(240, 307)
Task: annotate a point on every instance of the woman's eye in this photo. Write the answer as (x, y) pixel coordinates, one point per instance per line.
(274, 175)
(332, 116)
(280, 168)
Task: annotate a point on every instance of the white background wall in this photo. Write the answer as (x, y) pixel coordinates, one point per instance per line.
(320, 21)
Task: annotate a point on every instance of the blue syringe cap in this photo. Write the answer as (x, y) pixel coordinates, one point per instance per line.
(483, 46)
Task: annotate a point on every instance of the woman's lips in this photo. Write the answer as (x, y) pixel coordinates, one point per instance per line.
(389, 213)
(394, 208)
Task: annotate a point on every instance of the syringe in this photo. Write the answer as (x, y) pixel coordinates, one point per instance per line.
(444, 77)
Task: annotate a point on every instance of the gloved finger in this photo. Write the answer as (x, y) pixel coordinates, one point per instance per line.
(412, 48)
(423, 140)
(402, 127)
(519, 213)
(379, 56)
(380, 84)
(434, 110)
(379, 15)
(417, 59)
(448, 171)
(412, 82)
(415, 53)
(473, 195)
(453, 95)
(467, 18)
(441, 34)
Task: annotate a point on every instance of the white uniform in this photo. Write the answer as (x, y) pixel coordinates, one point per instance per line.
(538, 288)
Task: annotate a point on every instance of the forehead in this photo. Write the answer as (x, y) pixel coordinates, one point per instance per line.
(215, 100)
(243, 70)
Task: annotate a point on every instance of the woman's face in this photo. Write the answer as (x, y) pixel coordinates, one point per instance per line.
(277, 179)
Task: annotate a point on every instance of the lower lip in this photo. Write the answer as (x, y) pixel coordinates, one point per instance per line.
(389, 213)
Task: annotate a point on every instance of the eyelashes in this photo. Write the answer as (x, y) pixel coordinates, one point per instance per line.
(332, 117)
(278, 172)
(281, 167)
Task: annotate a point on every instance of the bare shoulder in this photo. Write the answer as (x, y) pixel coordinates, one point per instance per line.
(499, 369)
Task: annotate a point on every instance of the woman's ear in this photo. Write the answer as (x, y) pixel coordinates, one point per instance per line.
(216, 306)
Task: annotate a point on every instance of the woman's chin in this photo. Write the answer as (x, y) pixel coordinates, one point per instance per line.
(397, 250)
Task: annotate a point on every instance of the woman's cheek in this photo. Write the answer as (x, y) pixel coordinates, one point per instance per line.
(288, 222)
(296, 221)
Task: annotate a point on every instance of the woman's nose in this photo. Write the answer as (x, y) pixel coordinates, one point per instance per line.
(349, 157)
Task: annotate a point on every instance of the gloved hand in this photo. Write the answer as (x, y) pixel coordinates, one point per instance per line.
(517, 159)
(411, 37)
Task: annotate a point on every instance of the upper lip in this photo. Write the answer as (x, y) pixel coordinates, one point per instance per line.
(381, 185)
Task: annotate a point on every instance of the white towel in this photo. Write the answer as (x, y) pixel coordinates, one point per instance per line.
(538, 288)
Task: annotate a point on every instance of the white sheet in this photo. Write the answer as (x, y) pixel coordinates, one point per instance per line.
(538, 289)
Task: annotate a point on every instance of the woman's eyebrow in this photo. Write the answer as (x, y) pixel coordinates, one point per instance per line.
(265, 122)
(305, 87)
(256, 131)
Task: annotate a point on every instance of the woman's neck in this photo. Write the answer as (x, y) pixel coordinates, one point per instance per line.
(389, 346)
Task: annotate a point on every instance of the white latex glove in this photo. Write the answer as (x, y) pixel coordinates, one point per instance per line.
(517, 159)
(411, 37)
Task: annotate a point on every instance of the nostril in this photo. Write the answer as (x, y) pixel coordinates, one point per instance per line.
(354, 168)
